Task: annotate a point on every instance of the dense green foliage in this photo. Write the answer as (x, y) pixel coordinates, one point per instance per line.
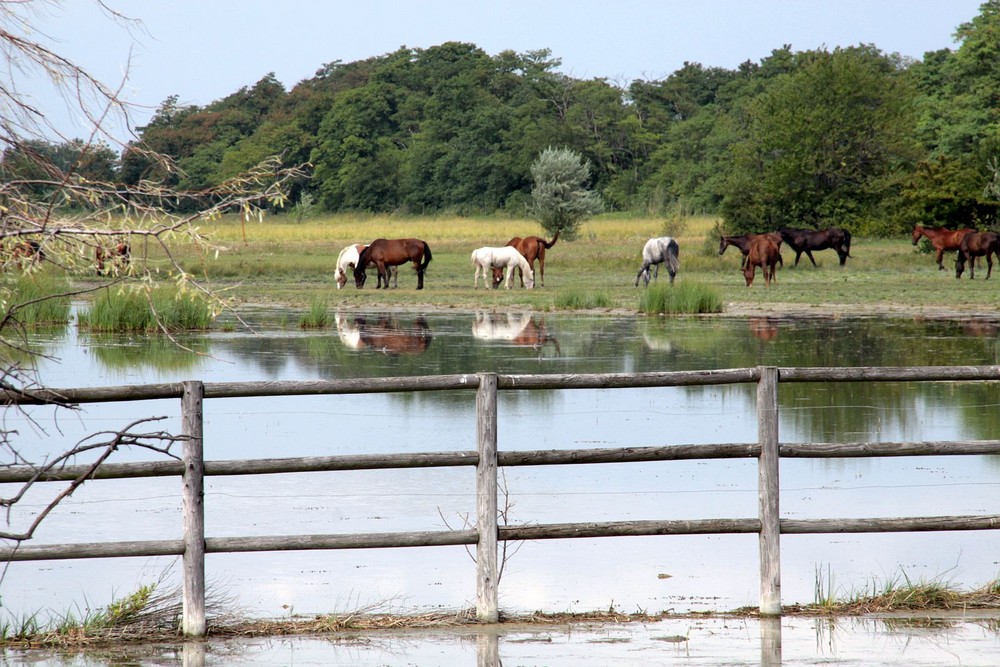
(560, 198)
(850, 136)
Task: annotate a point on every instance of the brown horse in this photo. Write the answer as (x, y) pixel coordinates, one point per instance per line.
(392, 252)
(977, 244)
(118, 256)
(532, 247)
(763, 253)
(26, 250)
(941, 238)
(806, 240)
(743, 243)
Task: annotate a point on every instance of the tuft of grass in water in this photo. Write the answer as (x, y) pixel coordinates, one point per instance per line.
(683, 298)
(578, 299)
(128, 310)
(317, 316)
(33, 297)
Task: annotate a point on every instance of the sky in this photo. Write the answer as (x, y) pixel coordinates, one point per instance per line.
(204, 50)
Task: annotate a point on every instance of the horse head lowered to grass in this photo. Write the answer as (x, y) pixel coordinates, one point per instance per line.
(662, 250)
(384, 253)
(507, 257)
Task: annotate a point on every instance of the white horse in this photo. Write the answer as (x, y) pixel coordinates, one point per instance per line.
(658, 251)
(486, 259)
(348, 259)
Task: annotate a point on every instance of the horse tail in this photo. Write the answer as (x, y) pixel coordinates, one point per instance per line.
(427, 257)
(548, 244)
(847, 243)
(673, 261)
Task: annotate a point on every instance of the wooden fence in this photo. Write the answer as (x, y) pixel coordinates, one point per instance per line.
(487, 534)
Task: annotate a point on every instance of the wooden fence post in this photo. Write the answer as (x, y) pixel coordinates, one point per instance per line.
(194, 510)
(768, 489)
(487, 597)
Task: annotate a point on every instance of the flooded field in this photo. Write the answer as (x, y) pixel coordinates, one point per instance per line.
(679, 574)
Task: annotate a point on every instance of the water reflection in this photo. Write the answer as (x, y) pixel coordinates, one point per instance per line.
(763, 328)
(387, 333)
(521, 329)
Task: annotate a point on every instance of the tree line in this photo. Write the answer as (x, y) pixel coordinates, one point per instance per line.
(853, 137)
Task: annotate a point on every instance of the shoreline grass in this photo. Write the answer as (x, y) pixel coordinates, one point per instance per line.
(138, 310)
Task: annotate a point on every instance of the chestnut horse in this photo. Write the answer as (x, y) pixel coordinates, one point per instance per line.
(806, 240)
(941, 238)
(532, 248)
(348, 259)
(25, 250)
(763, 253)
(743, 243)
(117, 256)
(977, 244)
(392, 252)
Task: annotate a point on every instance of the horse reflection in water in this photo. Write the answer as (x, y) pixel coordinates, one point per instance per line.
(383, 333)
(519, 329)
(763, 328)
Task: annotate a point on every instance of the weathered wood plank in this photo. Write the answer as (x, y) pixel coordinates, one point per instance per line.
(557, 531)
(890, 525)
(193, 621)
(769, 492)
(487, 568)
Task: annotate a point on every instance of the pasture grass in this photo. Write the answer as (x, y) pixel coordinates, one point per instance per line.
(284, 260)
(136, 309)
(580, 299)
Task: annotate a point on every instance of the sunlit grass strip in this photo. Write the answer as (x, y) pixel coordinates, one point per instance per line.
(318, 315)
(579, 299)
(138, 310)
(33, 296)
(683, 298)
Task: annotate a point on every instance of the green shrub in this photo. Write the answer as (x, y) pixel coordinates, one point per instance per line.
(684, 298)
(132, 310)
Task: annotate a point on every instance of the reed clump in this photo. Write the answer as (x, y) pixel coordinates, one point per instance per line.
(318, 315)
(683, 298)
(37, 298)
(131, 310)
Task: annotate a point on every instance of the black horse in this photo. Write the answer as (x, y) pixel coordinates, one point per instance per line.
(806, 240)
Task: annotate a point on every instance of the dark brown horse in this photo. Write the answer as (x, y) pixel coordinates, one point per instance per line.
(392, 252)
(532, 247)
(977, 244)
(763, 253)
(806, 240)
(942, 239)
(25, 251)
(743, 241)
(116, 256)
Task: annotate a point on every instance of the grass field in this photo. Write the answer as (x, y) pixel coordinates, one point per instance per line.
(282, 261)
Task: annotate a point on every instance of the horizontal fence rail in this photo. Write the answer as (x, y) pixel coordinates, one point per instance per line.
(768, 525)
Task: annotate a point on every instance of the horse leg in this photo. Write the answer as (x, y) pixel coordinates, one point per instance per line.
(510, 274)
(394, 270)
(940, 259)
(811, 258)
(989, 265)
(541, 268)
(420, 274)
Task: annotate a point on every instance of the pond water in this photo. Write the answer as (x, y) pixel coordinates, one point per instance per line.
(679, 573)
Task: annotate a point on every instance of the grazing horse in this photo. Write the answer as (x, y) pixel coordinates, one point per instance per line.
(25, 250)
(743, 243)
(806, 240)
(484, 259)
(977, 244)
(658, 251)
(348, 259)
(763, 253)
(532, 247)
(942, 239)
(384, 253)
(117, 256)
